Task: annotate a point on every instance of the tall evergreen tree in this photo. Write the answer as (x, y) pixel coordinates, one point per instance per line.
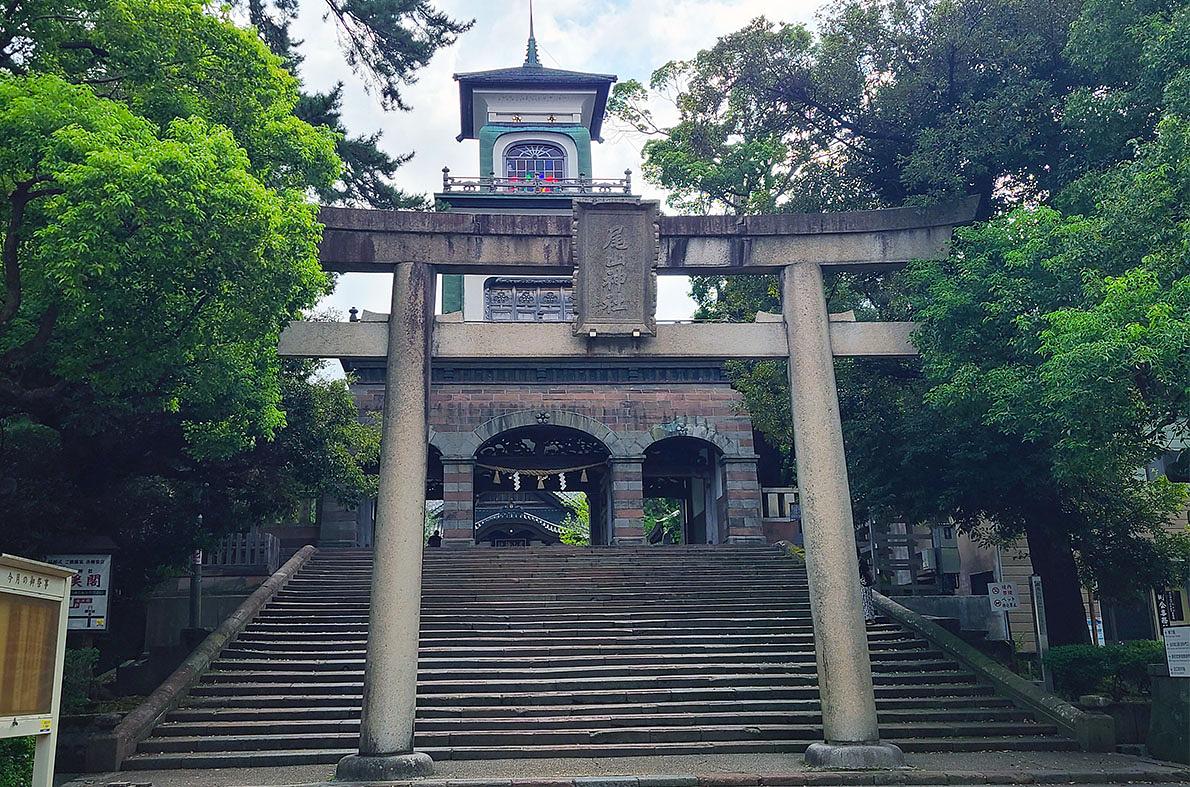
(385, 43)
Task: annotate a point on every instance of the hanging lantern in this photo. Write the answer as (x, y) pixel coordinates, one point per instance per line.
(562, 481)
(583, 476)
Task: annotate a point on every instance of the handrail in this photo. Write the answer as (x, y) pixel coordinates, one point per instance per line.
(1093, 731)
(106, 752)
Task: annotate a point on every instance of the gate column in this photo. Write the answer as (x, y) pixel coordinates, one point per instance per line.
(836, 607)
(458, 501)
(627, 499)
(742, 490)
(390, 672)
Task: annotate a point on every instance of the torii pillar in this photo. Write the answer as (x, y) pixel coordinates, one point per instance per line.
(394, 620)
(613, 249)
(852, 738)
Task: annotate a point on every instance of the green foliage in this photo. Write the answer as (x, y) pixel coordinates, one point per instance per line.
(1116, 670)
(78, 678)
(104, 200)
(386, 44)
(576, 527)
(16, 762)
(157, 238)
(1053, 338)
(1063, 338)
(663, 520)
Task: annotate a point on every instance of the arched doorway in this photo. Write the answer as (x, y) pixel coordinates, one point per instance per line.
(533, 483)
(684, 492)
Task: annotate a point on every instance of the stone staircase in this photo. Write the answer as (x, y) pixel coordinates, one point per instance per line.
(570, 652)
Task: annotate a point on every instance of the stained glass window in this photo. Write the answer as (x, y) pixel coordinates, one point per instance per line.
(535, 161)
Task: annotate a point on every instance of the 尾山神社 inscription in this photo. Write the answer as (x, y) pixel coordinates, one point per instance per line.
(615, 251)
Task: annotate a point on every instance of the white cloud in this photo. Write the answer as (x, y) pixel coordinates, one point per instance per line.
(629, 38)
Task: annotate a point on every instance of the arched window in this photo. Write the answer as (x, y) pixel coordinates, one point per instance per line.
(535, 161)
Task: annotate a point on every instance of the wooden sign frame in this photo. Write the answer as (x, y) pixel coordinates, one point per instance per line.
(23, 580)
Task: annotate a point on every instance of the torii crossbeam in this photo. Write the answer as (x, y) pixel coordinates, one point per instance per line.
(615, 250)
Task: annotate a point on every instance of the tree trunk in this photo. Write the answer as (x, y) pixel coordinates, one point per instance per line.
(1053, 561)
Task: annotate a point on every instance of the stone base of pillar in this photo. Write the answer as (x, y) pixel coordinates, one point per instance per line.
(457, 543)
(855, 756)
(383, 767)
(630, 541)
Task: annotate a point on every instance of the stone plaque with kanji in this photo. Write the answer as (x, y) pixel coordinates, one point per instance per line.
(615, 281)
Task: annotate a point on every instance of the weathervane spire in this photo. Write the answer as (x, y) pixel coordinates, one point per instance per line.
(531, 60)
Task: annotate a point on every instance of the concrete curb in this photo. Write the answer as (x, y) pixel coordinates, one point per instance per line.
(108, 751)
(1094, 731)
(901, 776)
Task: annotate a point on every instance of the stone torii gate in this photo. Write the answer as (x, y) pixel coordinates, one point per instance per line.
(615, 250)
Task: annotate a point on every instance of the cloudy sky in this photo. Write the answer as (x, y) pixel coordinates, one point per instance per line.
(628, 38)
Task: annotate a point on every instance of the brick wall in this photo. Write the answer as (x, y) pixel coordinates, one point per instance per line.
(637, 414)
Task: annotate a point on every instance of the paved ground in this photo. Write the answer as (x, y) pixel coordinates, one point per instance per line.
(688, 771)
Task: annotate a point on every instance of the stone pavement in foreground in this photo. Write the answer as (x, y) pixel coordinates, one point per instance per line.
(737, 770)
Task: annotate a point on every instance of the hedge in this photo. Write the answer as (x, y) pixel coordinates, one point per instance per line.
(1116, 670)
(16, 762)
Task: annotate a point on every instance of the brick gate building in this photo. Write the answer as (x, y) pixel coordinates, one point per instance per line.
(512, 442)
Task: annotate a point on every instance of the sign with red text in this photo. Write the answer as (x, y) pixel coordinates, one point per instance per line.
(1003, 596)
(89, 589)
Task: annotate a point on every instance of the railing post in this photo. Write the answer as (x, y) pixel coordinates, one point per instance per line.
(446, 178)
(627, 181)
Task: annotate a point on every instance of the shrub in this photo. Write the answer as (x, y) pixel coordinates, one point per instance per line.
(1116, 670)
(16, 762)
(78, 677)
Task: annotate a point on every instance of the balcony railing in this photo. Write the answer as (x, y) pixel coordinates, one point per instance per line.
(536, 185)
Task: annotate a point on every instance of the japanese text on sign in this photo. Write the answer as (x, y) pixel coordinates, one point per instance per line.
(1003, 596)
(89, 589)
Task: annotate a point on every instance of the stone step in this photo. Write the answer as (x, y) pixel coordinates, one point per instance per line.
(331, 756)
(332, 683)
(546, 736)
(532, 607)
(457, 631)
(537, 617)
(347, 670)
(570, 652)
(494, 601)
(742, 636)
(349, 723)
(893, 709)
(240, 659)
(299, 696)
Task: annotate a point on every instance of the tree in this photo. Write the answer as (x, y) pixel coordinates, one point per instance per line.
(386, 44)
(1021, 103)
(576, 525)
(156, 238)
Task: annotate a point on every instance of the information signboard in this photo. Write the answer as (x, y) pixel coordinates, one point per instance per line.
(89, 591)
(33, 609)
(1177, 651)
(1003, 596)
